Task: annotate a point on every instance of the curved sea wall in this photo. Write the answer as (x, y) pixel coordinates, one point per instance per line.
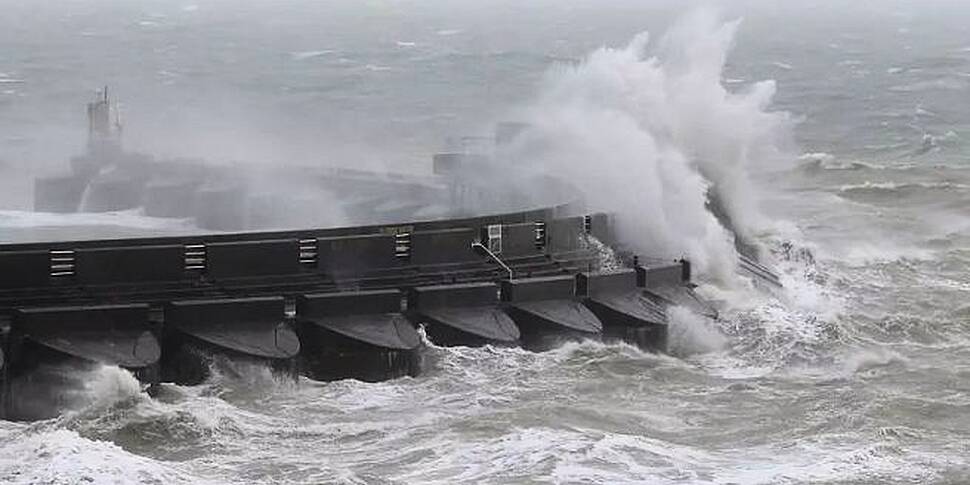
(327, 303)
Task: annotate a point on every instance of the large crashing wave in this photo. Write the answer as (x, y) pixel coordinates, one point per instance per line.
(650, 131)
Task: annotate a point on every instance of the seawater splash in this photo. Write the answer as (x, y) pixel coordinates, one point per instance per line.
(606, 258)
(61, 456)
(691, 333)
(72, 390)
(650, 134)
(108, 385)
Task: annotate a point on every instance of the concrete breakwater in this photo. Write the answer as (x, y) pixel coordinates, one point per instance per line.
(327, 303)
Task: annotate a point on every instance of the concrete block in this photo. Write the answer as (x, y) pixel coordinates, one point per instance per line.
(462, 295)
(348, 303)
(111, 334)
(187, 314)
(252, 327)
(595, 284)
(668, 274)
(93, 318)
(536, 289)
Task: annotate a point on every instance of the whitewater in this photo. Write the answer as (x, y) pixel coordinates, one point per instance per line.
(838, 145)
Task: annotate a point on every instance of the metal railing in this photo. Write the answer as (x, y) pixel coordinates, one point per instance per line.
(481, 247)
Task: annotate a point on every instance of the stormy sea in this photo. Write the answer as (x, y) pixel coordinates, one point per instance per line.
(839, 130)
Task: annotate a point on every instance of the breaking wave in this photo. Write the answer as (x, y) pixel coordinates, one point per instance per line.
(827, 161)
(876, 187)
(61, 456)
(942, 193)
(690, 333)
(77, 446)
(651, 130)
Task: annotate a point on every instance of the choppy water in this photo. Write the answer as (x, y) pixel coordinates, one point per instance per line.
(857, 372)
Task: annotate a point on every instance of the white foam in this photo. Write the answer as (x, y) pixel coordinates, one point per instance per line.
(863, 253)
(690, 333)
(868, 359)
(587, 456)
(809, 461)
(896, 186)
(649, 134)
(606, 257)
(942, 84)
(523, 452)
(107, 385)
(304, 55)
(245, 379)
(63, 457)
(816, 157)
(771, 329)
(827, 161)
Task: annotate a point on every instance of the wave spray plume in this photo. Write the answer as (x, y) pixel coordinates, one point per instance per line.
(653, 135)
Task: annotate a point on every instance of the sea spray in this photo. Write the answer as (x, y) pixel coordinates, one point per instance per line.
(108, 385)
(652, 136)
(243, 380)
(74, 388)
(690, 333)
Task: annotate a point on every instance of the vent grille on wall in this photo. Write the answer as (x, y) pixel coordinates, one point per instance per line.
(62, 263)
(402, 245)
(195, 257)
(308, 251)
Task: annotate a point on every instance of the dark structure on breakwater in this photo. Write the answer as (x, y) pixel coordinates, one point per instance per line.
(331, 303)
